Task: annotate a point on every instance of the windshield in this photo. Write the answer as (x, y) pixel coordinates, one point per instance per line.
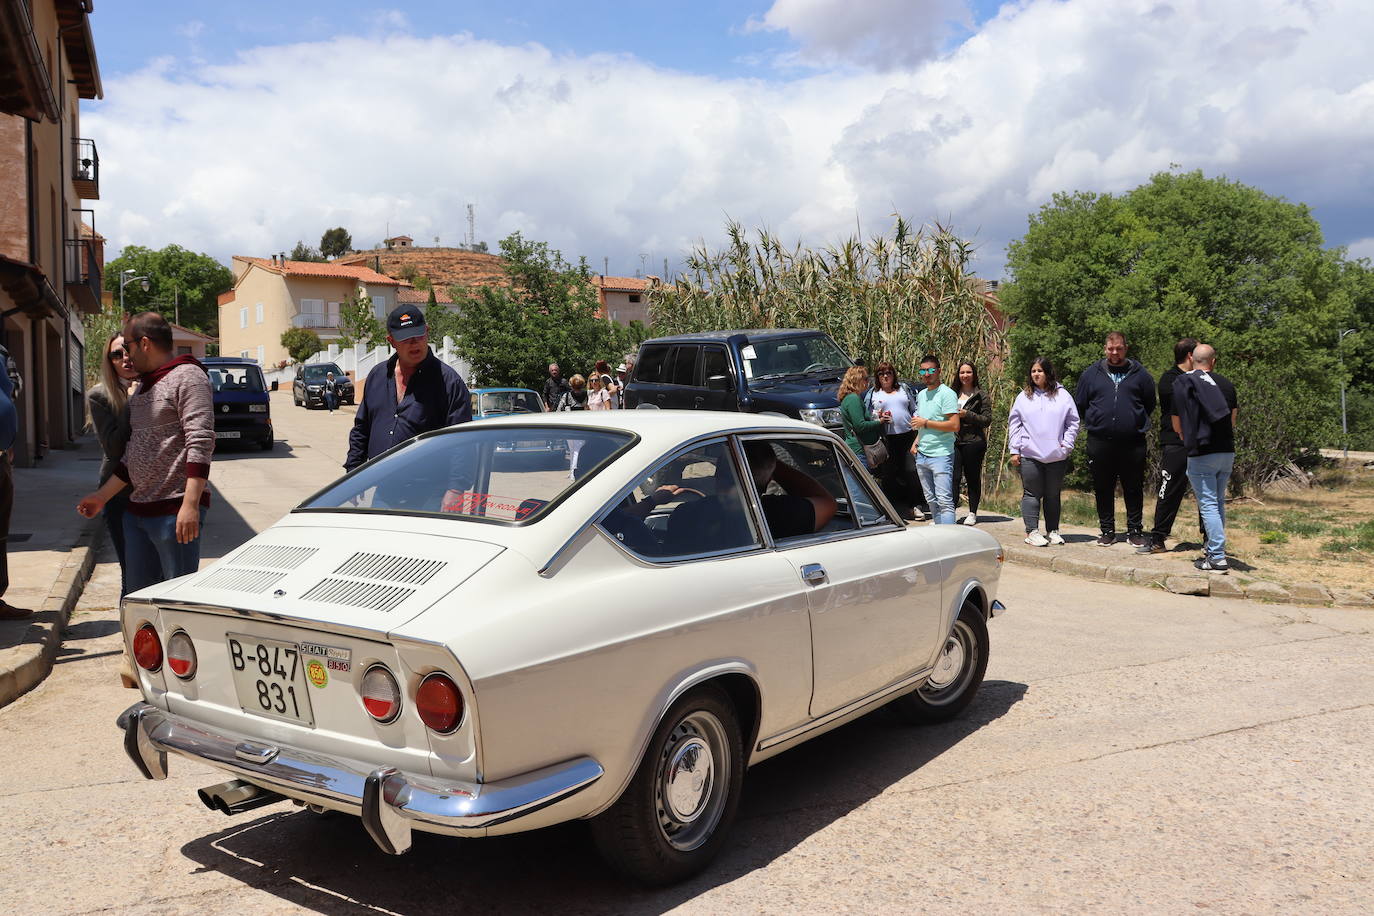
(236, 378)
(317, 373)
(473, 473)
(508, 402)
(793, 356)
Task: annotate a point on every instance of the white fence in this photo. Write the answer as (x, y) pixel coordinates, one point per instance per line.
(358, 362)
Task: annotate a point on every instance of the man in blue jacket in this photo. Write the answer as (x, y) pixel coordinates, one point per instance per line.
(413, 392)
(1115, 397)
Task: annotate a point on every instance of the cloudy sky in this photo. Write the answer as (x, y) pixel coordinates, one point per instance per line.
(617, 130)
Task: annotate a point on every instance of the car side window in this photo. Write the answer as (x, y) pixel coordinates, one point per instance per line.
(684, 366)
(650, 365)
(713, 363)
(692, 505)
(815, 458)
(861, 502)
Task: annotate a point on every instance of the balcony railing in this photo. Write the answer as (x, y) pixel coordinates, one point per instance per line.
(315, 320)
(86, 169)
(83, 274)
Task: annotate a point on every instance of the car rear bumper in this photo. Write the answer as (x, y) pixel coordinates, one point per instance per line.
(389, 801)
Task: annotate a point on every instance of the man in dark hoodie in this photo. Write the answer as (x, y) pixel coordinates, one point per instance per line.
(1173, 457)
(1205, 419)
(1115, 397)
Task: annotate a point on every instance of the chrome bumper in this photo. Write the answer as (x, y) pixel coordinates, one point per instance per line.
(997, 607)
(386, 799)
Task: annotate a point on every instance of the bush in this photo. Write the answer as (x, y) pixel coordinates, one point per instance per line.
(1273, 537)
(301, 343)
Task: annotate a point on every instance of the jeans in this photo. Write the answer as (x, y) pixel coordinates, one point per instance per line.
(1209, 474)
(937, 479)
(114, 522)
(1110, 460)
(968, 468)
(1041, 486)
(151, 551)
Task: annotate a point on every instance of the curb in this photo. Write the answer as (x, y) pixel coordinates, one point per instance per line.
(39, 648)
(1235, 585)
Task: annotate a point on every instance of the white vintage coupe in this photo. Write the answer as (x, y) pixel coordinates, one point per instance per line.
(461, 639)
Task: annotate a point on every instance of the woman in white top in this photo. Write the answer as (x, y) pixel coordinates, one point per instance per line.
(1040, 435)
(892, 402)
(600, 397)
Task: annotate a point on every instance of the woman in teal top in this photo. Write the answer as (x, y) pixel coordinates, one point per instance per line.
(859, 430)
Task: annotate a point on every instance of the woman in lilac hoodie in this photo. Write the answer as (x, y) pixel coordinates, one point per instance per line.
(1040, 435)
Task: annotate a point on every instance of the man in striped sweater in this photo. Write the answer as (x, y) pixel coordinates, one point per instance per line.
(167, 461)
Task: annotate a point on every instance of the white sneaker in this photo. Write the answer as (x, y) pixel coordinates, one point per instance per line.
(970, 519)
(1036, 539)
(1056, 538)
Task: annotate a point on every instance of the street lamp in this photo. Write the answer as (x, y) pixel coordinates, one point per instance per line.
(125, 282)
(1345, 433)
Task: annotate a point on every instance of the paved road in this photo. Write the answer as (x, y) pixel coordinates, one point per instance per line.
(1131, 751)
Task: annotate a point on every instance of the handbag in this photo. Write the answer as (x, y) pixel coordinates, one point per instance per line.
(875, 455)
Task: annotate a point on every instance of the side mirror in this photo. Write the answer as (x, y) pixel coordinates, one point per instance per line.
(274, 384)
(718, 383)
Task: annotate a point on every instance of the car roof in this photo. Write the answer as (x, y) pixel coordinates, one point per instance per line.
(755, 334)
(227, 361)
(660, 430)
(492, 390)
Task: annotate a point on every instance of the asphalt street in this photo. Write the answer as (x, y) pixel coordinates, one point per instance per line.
(1131, 751)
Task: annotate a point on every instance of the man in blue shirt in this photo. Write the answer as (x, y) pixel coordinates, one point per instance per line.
(9, 431)
(413, 392)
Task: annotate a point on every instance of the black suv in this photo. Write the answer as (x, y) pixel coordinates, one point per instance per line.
(308, 388)
(790, 372)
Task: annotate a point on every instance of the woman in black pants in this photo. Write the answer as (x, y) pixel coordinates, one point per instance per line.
(971, 442)
(892, 401)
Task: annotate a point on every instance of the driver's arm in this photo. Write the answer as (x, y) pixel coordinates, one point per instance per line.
(798, 483)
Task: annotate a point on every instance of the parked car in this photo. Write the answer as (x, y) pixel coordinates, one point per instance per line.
(502, 402)
(243, 410)
(448, 640)
(794, 373)
(308, 388)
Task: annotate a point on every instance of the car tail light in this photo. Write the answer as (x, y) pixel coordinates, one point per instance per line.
(439, 702)
(381, 694)
(181, 655)
(147, 648)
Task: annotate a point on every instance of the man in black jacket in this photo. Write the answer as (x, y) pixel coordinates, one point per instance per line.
(1206, 408)
(1115, 397)
(555, 386)
(1173, 458)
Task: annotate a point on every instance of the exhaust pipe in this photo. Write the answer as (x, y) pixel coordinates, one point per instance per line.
(236, 796)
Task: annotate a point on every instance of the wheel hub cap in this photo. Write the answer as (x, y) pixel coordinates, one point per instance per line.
(688, 779)
(950, 664)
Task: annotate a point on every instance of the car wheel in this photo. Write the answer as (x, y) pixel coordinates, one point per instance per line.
(671, 821)
(270, 441)
(296, 399)
(958, 672)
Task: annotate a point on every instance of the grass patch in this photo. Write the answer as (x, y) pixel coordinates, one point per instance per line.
(1273, 537)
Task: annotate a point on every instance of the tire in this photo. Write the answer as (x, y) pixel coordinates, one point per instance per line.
(266, 444)
(662, 830)
(296, 399)
(957, 676)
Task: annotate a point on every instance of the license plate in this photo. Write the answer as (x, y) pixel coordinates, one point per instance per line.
(228, 434)
(269, 677)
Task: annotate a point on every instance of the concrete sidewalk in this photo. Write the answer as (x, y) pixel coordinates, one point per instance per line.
(51, 553)
(1081, 556)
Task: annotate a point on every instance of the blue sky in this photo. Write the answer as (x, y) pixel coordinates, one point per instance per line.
(615, 130)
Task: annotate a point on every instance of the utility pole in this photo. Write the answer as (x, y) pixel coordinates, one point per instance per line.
(643, 259)
(605, 266)
(472, 228)
(1345, 432)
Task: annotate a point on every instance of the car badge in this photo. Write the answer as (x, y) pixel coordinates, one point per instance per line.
(330, 657)
(279, 593)
(224, 409)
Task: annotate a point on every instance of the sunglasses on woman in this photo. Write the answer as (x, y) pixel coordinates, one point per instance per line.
(117, 354)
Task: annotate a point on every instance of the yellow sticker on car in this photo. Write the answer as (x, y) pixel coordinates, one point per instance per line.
(316, 672)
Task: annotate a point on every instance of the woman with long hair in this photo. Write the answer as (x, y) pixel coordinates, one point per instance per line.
(892, 402)
(971, 442)
(859, 430)
(603, 372)
(1040, 435)
(109, 402)
(599, 398)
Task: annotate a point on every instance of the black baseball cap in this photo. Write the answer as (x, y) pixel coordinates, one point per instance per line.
(405, 322)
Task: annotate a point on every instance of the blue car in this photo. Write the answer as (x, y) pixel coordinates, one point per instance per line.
(503, 402)
(242, 409)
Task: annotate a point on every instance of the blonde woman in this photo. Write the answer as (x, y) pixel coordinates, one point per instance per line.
(600, 396)
(859, 430)
(109, 402)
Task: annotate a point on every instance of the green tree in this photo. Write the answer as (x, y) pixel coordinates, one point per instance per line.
(301, 343)
(547, 314)
(357, 323)
(335, 242)
(1185, 255)
(303, 252)
(183, 286)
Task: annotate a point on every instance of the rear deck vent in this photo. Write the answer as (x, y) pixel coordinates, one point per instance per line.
(274, 556)
(410, 570)
(352, 593)
(242, 580)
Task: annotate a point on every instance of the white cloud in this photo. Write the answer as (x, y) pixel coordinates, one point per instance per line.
(1361, 248)
(607, 155)
(884, 34)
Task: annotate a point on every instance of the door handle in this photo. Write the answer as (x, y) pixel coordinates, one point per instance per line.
(813, 573)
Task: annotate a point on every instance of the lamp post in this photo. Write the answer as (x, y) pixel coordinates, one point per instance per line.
(1345, 433)
(125, 281)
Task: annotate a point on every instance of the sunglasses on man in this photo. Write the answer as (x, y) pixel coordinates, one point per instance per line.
(924, 372)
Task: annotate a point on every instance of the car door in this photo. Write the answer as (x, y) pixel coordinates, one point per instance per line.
(646, 387)
(715, 364)
(872, 584)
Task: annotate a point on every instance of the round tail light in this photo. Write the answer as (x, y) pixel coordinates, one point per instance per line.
(439, 703)
(147, 648)
(181, 655)
(381, 694)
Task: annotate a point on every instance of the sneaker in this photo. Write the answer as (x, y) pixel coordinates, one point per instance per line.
(1216, 566)
(1056, 539)
(1036, 539)
(970, 519)
(1137, 540)
(1105, 539)
(10, 612)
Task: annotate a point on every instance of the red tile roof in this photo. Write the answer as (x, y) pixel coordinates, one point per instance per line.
(187, 332)
(408, 295)
(321, 269)
(226, 297)
(628, 284)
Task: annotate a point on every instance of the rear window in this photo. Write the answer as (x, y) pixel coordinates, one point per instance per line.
(650, 365)
(236, 378)
(472, 473)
